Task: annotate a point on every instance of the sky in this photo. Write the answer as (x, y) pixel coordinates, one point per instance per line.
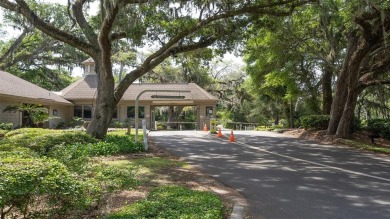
(77, 72)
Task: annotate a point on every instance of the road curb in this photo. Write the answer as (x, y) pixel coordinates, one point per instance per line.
(238, 212)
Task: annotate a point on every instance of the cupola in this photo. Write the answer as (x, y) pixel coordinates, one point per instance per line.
(89, 67)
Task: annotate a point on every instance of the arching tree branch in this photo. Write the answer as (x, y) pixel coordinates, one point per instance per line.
(22, 8)
(88, 31)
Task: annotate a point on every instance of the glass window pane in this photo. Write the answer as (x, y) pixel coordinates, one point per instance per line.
(87, 112)
(78, 111)
(115, 115)
(141, 112)
(209, 111)
(131, 112)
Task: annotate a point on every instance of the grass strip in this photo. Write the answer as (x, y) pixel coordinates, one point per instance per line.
(174, 202)
(364, 146)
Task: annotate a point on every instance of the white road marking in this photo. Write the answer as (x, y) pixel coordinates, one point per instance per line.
(311, 162)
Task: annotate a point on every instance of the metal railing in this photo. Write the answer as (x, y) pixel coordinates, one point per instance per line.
(175, 125)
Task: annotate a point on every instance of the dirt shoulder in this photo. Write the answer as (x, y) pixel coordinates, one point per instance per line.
(358, 138)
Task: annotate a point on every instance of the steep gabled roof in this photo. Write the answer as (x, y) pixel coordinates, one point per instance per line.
(85, 88)
(12, 85)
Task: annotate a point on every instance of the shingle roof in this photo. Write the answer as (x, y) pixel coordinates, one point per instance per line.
(85, 88)
(14, 86)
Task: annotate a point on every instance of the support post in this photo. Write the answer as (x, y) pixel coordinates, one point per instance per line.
(145, 135)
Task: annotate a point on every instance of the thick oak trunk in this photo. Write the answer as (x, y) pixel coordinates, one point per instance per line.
(105, 103)
(327, 90)
(341, 91)
(338, 102)
(344, 129)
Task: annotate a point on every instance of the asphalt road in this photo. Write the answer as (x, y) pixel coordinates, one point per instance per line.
(289, 178)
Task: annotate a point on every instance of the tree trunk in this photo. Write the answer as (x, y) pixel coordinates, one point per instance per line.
(338, 103)
(344, 128)
(327, 90)
(105, 102)
(341, 86)
(347, 90)
(173, 114)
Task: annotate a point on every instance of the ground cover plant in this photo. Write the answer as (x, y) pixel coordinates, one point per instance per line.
(52, 172)
(57, 174)
(174, 202)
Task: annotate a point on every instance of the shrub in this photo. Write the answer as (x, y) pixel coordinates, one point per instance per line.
(42, 140)
(125, 144)
(76, 122)
(28, 132)
(379, 126)
(26, 181)
(316, 122)
(6, 126)
(61, 125)
(116, 124)
(8, 151)
(269, 128)
(174, 202)
(102, 148)
(75, 157)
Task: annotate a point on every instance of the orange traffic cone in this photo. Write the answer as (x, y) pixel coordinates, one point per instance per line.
(219, 133)
(231, 136)
(205, 127)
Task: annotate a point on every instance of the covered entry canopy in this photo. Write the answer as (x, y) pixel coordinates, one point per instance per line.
(82, 94)
(190, 94)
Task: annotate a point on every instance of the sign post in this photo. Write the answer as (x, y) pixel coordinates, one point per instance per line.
(145, 134)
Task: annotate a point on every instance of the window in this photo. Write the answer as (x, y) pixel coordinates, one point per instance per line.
(131, 112)
(78, 111)
(115, 114)
(84, 112)
(209, 111)
(87, 111)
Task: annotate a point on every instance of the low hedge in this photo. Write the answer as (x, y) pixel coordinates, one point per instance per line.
(379, 126)
(315, 122)
(42, 140)
(7, 151)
